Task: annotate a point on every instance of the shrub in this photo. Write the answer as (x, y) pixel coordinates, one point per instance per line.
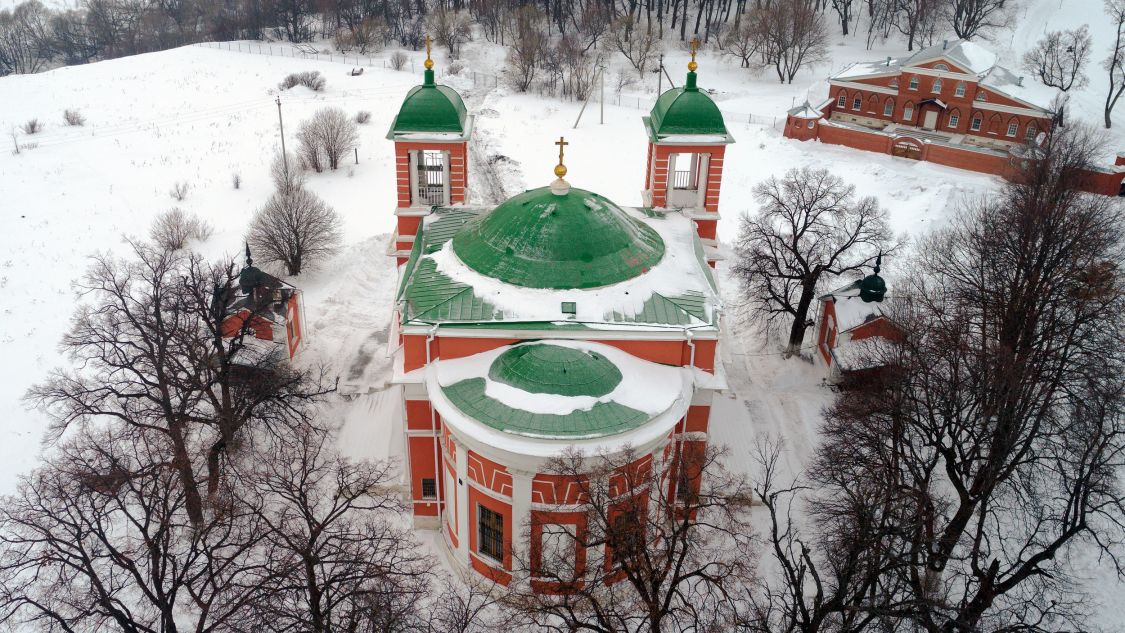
(179, 191)
(311, 79)
(73, 117)
(172, 229)
(296, 230)
(325, 138)
(236, 178)
(398, 60)
(33, 126)
(286, 178)
(455, 68)
(362, 117)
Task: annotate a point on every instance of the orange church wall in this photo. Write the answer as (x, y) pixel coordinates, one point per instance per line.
(422, 466)
(551, 489)
(698, 418)
(261, 328)
(576, 524)
(496, 570)
(876, 327)
(489, 474)
(418, 415)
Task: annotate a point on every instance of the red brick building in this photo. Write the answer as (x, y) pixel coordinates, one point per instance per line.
(950, 104)
(854, 327)
(266, 309)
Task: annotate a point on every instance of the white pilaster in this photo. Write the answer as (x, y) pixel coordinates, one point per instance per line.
(521, 515)
(464, 512)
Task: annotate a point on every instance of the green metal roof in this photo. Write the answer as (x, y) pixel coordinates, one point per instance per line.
(539, 239)
(686, 110)
(565, 371)
(430, 108)
(604, 418)
(428, 296)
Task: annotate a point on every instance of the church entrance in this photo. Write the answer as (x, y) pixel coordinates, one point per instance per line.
(431, 169)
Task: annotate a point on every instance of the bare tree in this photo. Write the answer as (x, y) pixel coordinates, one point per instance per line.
(326, 138)
(660, 546)
(528, 52)
(336, 555)
(172, 229)
(286, 173)
(25, 42)
(809, 224)
(843, 9)
(295, 229)
(638, 45)
(1058, 59)
(745, 40)
(1115, 63)
(969, 18)
(98, 539)
(451, 29)
(917, 20)
(793, 36)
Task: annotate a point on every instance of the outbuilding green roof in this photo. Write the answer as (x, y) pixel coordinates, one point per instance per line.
(430, 107)
(540, 239)
(688, 111)
(563, 371)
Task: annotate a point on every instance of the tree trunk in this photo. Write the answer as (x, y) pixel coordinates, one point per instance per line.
(193, 502)
(797, 332)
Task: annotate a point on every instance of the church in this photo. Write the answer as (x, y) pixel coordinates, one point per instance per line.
(555, 319)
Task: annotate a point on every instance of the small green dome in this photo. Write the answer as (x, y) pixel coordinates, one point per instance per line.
(686, 110)
(872, 287)
(539, 239)
(430, 108)
(564, 371)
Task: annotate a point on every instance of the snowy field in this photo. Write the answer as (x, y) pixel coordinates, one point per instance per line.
(201, 115)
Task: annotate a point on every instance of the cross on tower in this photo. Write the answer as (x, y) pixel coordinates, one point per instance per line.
(560, 169)
(694, 45)
(429, 62)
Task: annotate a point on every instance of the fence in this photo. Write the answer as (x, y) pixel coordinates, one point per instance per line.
(479, 79)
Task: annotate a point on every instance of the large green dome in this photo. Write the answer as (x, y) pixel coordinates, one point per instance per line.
(564, 371)
(430, 108)
(686, 110)
(540, 239)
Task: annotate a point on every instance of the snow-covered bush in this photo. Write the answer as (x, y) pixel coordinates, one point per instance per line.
(286, 175)
(296, 229)
(172, 229)
(363, 116)
(311, 79)
(33, 126)
(325, 138)
(179, 191)
(236, 180)
(73, 117)
(398, 60)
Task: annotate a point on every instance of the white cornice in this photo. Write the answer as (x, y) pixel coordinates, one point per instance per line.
(862, 86)
(998, 107)
(649, 333)
(944, 74)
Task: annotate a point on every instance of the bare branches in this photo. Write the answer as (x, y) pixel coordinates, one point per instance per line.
(296, 229)
(325, 138)
(1058, 59)
(793, 37)
(809, 225)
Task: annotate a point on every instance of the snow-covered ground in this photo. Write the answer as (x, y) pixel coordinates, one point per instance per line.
(201, 115)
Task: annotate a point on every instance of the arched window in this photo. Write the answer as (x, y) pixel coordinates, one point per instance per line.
(981, 96)
(908, 112)
(960, 92)
(975, 125)
(894, 83)
(1032, 131)
(937, 87)
(954, 119)
(1013, 126)
(994, 124)
(914, 82)
(873, 104)
(941, 67)
(842, 100)
(857, 102)
(888, 107)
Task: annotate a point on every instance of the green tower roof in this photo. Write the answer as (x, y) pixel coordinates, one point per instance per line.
(563, 371)
(541, 239)
(872, 287)
(686, 110)
(430, 108)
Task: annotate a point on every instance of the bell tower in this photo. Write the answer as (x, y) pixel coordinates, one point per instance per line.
(687, 140)
(431, 136)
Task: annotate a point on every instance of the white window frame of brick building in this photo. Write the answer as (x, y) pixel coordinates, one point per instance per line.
(1013, 128)
(688, 188)
(432, 194)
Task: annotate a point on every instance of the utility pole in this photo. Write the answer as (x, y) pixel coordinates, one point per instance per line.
(601, 115)
(659, 75)
(284, 155)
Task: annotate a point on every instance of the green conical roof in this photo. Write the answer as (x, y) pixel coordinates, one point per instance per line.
(540, 239)
(430, 108)
(686, 110)
(872, 287)
(564, 371)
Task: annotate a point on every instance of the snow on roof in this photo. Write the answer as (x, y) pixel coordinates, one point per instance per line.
(806, 111)
(968, 55)
(851, 311)
(866, 69)
(1023, 88)
(864, 353)
(677, 291)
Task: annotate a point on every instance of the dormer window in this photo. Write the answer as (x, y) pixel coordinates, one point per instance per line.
(914, 82)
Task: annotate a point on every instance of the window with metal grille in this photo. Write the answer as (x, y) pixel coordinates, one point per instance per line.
(490, 533)
(1031, 132)
(842, 101)
(976, 124)
(953, 120)
(429, 489)
(688, 179)
(1013, 127)
(431, 177)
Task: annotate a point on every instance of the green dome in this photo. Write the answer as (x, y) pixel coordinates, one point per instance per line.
(539, 239)
(565, 371)
(430, 108)
(872, 287)
(686, 110)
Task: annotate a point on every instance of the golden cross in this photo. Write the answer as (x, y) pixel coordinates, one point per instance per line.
(428, 40)
(560, 169)
(694, 44)
(429, 62)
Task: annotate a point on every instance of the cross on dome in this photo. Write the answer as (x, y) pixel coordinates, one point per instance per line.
(694, 45)
(429, 62)
(560, 187)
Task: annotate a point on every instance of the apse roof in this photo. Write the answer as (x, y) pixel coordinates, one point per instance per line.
(562, 390)
(686, 111)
